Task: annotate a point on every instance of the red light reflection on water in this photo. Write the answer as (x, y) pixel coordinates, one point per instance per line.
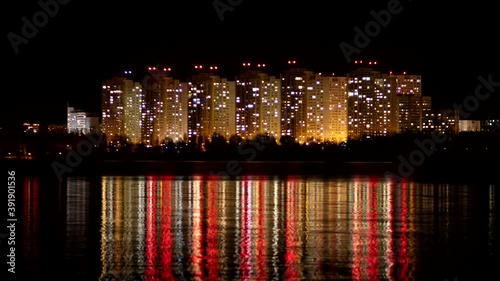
(403, 253)
(261, 231)
(166, 230)
(373, 234)
(212, 252)
(31, 218)
(197, 237)
(246, 232)
(357, 234)
(376, 252)
(151, 270)
(370, 244)
(291, 255)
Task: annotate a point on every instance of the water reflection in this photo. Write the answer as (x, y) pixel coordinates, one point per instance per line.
(31, 212)
(77, 223)
(259, 228)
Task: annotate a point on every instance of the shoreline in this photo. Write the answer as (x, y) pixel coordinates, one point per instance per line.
(435, 170)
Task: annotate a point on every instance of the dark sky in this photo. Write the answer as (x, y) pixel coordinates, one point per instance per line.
(84, 43)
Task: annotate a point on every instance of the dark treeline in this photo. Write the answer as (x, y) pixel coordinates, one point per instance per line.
(474, 145)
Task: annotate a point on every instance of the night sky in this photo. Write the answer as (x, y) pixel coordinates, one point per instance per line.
(450, 45)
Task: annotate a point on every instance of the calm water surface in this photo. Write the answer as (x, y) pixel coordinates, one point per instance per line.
(258, 228)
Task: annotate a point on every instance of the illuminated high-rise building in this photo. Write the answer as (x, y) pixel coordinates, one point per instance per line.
(294, 83)
(155, 86)
(164, 111)
(428, 115)
(270, 107)
(326, 102)
(370, 104)
(122, 103)
(224, 108)
(414, 113)
(211, 107)
(412, 110)
(408, 84)
(175, 110)
(338, 110)
(317, 103)
(257, 104)
(200, 106)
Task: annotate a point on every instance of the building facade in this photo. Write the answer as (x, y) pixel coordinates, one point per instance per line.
(81, 122)
(294, 83)
(211, 107)
(257, 104)
(122, 104)
(470, 125)
(370, 104)
(338, 110)
(413, 111)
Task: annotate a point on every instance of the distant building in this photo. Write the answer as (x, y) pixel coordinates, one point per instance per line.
(57, 128)
(414, 113)
(81, 122)
(412, 110)
(490, 125)
(31, 128)
(447, 121)
(470, 125)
